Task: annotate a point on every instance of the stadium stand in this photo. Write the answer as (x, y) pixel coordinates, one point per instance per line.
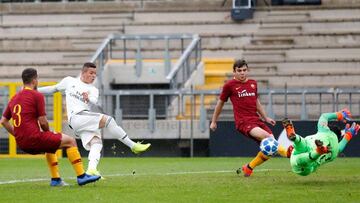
(301, 46)
(310, 50)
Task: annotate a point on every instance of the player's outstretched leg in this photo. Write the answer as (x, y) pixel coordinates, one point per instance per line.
(139, 147)
(289, 127)
(247, 169)
(115, 130)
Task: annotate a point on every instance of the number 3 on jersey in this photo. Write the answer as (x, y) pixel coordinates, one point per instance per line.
(17, 116)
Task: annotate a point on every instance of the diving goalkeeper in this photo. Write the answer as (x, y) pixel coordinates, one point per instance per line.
(313, 151)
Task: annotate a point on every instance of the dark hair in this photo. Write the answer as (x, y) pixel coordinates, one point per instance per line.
(336, 129)
(88, 65)
(239, 63)
(28, 75)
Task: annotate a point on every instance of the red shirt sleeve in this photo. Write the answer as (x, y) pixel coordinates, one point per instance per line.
(225, 93)
(7, 113)
(40, 105)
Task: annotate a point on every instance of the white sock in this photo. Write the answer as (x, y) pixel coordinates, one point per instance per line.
(119, 133)
(94, 156)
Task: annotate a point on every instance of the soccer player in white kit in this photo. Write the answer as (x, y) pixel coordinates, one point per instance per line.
(80, 95)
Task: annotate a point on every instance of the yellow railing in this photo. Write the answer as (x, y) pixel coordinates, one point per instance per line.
(56, 123)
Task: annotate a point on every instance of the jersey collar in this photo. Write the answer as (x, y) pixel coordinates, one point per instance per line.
(27, 88)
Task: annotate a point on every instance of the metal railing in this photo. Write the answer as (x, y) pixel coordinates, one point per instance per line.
(133, 48)
(316, 99)
(187, 63)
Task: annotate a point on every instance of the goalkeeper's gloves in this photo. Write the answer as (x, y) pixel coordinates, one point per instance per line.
(351, 131)
(344, 115)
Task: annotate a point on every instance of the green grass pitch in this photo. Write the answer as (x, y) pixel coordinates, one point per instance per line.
(182, 180)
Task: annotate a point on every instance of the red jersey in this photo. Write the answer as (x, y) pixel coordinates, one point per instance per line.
(25, 108)
(243, 97)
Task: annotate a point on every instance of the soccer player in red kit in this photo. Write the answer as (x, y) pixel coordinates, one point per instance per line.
(27, 109)
(249, 114)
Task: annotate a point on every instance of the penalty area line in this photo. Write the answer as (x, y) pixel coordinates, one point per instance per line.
(138, 174)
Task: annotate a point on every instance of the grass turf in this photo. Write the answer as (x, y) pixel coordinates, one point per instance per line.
(182, 180)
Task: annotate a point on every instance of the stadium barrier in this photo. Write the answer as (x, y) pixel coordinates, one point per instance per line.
(176, 104)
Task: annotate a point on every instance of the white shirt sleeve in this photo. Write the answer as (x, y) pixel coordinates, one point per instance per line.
(61, 86)
(47, 89)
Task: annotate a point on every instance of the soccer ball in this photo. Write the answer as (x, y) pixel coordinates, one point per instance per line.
(269, 146)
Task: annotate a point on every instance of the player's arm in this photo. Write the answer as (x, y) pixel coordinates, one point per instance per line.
(48, 89)
(224, 95)
(5, 122)
(325, 117)
(350, 132)
(44, 124)
(41, 113)
(217, 111)
(54, 88)
(261, 111)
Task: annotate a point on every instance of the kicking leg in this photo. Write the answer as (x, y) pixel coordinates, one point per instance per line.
(258, 134)
(247, 169)
(116, 131)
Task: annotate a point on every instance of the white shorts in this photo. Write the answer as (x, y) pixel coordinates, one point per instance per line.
(86, 126)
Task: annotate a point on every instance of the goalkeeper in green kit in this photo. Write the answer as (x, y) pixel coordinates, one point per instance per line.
(312, 151)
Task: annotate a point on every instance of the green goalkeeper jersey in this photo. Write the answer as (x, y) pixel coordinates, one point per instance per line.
(300, 161)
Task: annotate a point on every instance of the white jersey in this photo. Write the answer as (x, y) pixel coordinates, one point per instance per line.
(74, 88)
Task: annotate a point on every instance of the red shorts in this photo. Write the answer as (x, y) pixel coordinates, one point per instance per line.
(244, 127)
(36, 144)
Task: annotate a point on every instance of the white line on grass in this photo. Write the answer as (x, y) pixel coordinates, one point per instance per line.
(23, 181)
(139, 174)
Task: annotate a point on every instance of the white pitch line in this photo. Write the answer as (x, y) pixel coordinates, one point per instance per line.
(137, 174)
(23, 181)
(187, 172)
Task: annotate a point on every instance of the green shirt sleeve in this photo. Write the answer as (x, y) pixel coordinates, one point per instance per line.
(323, 121)
(342, 144)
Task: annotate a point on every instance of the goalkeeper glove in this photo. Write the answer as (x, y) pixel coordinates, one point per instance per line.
(351, 131)
(344, 115)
